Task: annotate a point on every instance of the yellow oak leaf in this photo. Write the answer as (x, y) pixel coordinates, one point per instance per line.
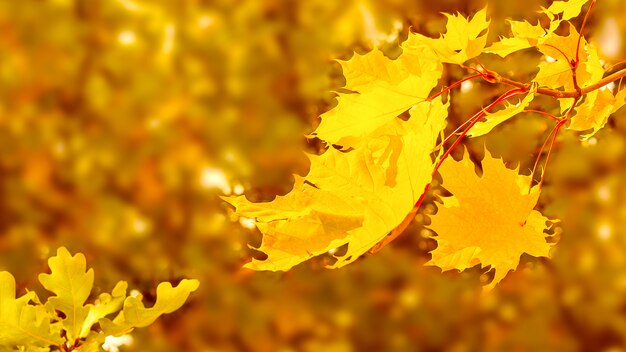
(22, 324)
(489, 220)
(352, 198)
(135, 315)
(105, 304)
(65, 322)
(464, 39)
(382, 89)
(492, 120)
(71, 283)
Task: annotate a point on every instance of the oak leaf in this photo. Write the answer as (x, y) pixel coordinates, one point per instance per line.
(71, 283)
(20, 322)
(136, 315)
(105, 304)
(26, 324)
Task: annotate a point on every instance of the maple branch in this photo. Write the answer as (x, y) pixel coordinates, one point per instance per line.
(543, 147)
(478, 74)
(521, 88)
(603, 82)
(559, 94)
(615, 65)
(576, 86)
(458, 129)
(545, 165)
(554, 133)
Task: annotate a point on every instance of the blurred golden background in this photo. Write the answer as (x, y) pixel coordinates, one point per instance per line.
(123, 121)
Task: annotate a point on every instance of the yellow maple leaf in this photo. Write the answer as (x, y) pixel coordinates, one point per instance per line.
(464, 39)
(557, 72)
(500, 116)
(594, 113)
(567, 9)
(489, 220)
(308, 221)
(383, 89)
(351, 197)
(596, 107)
(525, 35)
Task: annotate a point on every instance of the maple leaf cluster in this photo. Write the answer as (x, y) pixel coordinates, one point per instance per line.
(379, 164)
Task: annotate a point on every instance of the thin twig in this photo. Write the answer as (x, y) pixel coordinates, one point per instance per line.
(556, 130)
(580, 33)
(558, 93)
(543, 113)
(559, 50)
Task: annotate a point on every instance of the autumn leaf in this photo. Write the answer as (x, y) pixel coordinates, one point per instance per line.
(595, 111)
(464, 39)
(596, 106)
(557, 73)
(308, 221)
(106, 304)
(20, 322)
(355, 197)
(566, 9)
(524, 36)
(489, 220)
(382, 89)
(136, 315)
(71, 282)
(30, 325)
(349, 198)
(496, 118)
